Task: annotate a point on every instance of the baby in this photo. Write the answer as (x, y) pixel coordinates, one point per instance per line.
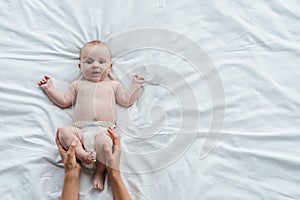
(94, 98)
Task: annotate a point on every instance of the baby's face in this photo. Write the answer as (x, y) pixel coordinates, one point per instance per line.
(95, 62)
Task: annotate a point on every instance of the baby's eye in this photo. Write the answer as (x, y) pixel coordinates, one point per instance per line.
(89, 61)
(101, 61)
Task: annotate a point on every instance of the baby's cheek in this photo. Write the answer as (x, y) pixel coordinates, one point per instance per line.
(84, 74)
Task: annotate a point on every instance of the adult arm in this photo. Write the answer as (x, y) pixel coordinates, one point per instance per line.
(70, 190)
(119, 190)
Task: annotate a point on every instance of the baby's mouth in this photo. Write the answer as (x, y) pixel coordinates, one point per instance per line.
(96, 73)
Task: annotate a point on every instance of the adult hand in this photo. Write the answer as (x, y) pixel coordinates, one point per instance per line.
(68, 157)
(118, 187)
(70, 189)
(113, 158)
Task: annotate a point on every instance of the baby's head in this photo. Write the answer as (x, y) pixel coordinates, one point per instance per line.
(95, 61)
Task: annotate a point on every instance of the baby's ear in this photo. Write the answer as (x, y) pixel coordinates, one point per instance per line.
(79, 66)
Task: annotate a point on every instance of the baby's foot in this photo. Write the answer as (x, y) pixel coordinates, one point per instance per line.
(88, 157)
(99, 179)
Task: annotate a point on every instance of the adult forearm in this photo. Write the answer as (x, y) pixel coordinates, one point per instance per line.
(119, 190)
(70, 190)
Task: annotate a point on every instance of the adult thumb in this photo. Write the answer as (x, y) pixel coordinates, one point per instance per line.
(72, 147)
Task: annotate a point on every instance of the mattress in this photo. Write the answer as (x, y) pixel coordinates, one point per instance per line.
(218, 116)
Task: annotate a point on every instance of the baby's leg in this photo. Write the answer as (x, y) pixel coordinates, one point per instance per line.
(67, 134)
(99, 175)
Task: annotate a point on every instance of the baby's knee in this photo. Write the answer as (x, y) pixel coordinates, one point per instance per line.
(103, 139)
(65, 131)
(67, 134)
(103, 136)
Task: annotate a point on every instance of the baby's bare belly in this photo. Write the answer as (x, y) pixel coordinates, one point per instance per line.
(95, 102)
(98, 112)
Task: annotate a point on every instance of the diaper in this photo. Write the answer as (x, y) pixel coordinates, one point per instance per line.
(90, 129)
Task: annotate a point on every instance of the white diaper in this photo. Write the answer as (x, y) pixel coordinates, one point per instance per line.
(90, 129)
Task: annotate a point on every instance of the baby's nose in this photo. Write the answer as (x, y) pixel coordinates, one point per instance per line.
(96, 65)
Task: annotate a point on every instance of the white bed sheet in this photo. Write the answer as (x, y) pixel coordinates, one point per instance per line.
(253, 49)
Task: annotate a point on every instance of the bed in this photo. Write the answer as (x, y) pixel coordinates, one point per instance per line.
(218, 116)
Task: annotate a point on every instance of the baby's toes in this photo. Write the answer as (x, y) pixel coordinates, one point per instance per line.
(99, 186)
(92, 156)
(99, 180)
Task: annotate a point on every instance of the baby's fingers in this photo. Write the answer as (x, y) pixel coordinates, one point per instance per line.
(138, 77)
(43, 81)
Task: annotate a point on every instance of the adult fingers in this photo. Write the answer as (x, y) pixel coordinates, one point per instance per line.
(71, 150)
(73, 146)
(114, 137)
(60, 147)
(109, 133)
(116, 143)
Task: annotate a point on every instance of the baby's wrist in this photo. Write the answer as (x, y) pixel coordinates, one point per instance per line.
(138, 83)
(46, 88)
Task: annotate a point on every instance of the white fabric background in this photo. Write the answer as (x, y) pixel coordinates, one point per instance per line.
(254, 46)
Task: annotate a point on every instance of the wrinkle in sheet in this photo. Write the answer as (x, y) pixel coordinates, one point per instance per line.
(255, 48)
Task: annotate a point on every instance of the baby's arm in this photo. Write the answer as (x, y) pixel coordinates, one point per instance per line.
(59, 98)
(127, 98)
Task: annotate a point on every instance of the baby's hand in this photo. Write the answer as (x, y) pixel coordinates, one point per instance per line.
(46, 82)
(138, 79)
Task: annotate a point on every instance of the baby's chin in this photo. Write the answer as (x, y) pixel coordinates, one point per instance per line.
(95, 79)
